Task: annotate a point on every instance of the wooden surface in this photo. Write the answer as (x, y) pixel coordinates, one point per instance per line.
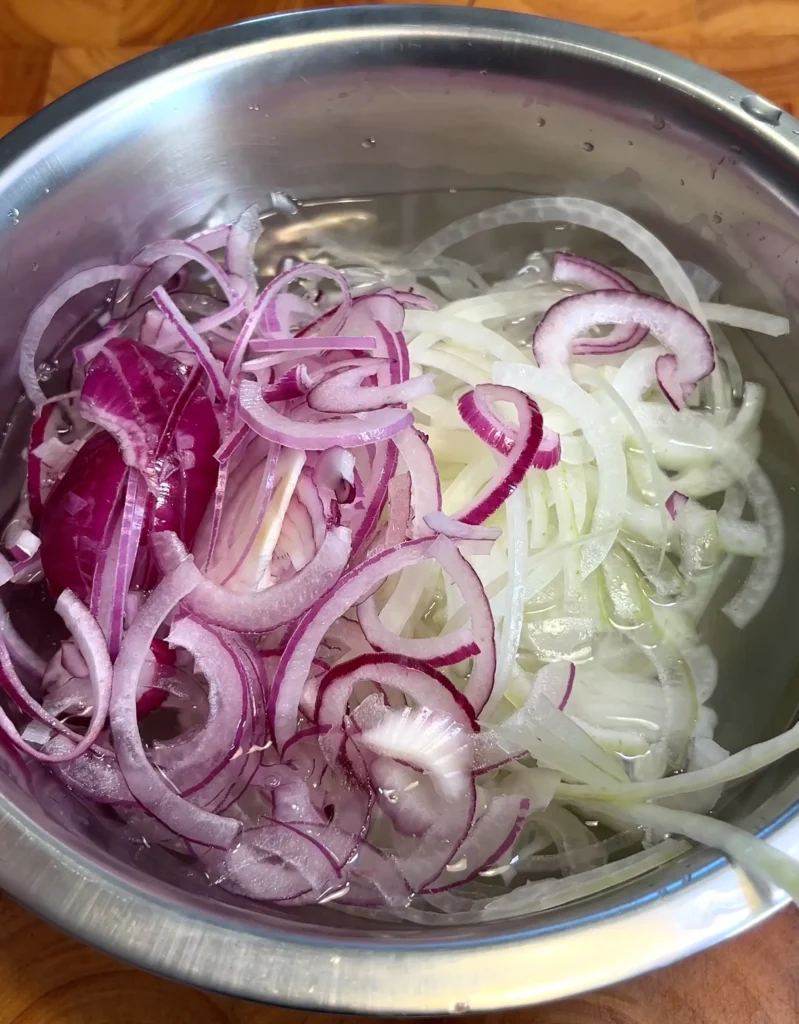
(49, 46)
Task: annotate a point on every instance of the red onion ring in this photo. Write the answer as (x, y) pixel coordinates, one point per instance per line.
(691, 355)
(597, 277)
(146, 784)
(345, 432)
(519, 459)
(259, 611)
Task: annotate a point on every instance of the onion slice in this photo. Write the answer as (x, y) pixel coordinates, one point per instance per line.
(259, 611)
(147, 784)
(520, 457)
(596, 277)
(346, 432)
(691, 355)
(448, 649)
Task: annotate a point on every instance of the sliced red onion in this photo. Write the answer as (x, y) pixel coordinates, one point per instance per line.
(41, 431)
(307, 494)
(441, 844)
(424, 685)
(251, 531)
(334, 475)
(276, 862)
(43, 314)
(228, 449)
(6, 570)
(691, 355)
(520, 458)
(129, 390)
(392, 344)
(437, 652)
(675, 503)
(78, 517)
(25, 545)
(301, 346)
(597, 277)
(257, 612)
(83, 354)
(593, 276)
(199, 764)
(294, 383)
(481, 679)
(405, 796)
(19, 694)
(491, 838)
(147, 785)
(157, 262)
(376, 880)
(410, 299)
(91, 643)
(431, 742)
(369, 313)
(425, 483)
(242, 238)
(363, 519)
(345, 432)
(343, 392)
(554, 682)
(475, 411)
(549, 451)
(127, 546)
(459, 531)
(264, 312)
(351, 589)
(195, 341)
(397, 528)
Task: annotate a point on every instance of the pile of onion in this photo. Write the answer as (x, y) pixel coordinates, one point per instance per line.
(411, 565)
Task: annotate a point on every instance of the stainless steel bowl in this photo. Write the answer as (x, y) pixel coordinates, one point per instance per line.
(454, 98)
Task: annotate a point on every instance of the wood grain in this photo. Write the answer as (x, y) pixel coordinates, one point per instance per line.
(48, 47)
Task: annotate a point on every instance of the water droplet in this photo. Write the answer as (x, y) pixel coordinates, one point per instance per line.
(47, 191)
(716, 218)
(658, 122)
(253, 108)
(13, 215)
(368, 143)
(35, 267)
(761, 109)
(335, 959)
(483, 72)
(540, 121)
(284, 203)
(588, 147)
(452, 191)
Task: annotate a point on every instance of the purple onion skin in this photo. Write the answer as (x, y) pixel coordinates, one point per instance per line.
(184, 493)
(76, 516)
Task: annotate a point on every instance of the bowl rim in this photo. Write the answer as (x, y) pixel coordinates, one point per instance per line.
(157, 933)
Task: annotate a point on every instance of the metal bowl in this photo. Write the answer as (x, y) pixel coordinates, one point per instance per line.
(403, 100)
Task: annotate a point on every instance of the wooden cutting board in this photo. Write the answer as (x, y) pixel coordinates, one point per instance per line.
(50, 46)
